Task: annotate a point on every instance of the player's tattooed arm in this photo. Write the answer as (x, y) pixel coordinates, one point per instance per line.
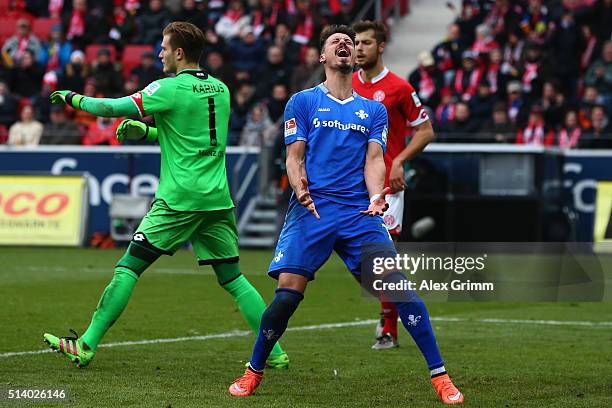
(374, 174)
(296, 172)
(423, 135)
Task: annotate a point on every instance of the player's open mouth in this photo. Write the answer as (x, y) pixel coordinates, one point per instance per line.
(343, 52)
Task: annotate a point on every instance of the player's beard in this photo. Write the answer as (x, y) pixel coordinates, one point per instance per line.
(368, 64)
(345, 68)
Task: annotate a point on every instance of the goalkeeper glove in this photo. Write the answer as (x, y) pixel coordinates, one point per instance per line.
(69, 98)
(135, 130)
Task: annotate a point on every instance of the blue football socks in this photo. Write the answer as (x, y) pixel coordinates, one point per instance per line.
(273, 324)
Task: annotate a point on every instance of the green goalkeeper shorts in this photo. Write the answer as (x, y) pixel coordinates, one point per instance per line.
(213, 234)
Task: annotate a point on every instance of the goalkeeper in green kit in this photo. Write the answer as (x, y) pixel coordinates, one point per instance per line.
(192, 202)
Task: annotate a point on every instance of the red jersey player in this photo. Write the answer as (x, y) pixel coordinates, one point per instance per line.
(375, 81)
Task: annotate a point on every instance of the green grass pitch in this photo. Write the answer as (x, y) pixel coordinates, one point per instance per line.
(495, 364)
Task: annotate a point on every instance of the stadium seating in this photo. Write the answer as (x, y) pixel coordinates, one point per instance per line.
(7, 28)
(41, 27)
(91, 51)
(131, 57)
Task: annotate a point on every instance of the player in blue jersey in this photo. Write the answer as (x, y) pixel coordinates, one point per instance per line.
(336, 142)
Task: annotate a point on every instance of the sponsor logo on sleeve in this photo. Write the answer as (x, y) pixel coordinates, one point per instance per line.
(384, 135)
(152, 88)
(290, 127)
(415, 98)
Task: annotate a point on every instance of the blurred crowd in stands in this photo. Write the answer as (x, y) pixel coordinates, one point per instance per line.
(531, 72)
(510, 71)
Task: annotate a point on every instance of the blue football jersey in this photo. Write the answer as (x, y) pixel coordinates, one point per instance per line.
(336, 133)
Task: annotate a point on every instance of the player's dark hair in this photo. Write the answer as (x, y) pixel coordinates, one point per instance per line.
(188, 37)
(380, 31)
(333, 29)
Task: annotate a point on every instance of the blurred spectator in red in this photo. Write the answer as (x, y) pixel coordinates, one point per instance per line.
(147, 72)
(499, 128)
(60, 131)
(23, 40)
(535, 131)
(502, 16)
(273, 71)
(445, 111)
(107, 73)
(484, 40)
(591, 49)
(513, 53)
(55, 8)
(568, 136)
(151, 22)
(75, 73)
(448, 52)
(26, 131)
(304, 22)
(481, 104)
(233, 21)
(516, 105)
(123, 23)
(247, 52)
(346, 15)
(493, 73)
(553, 104)
(214, 43)
(258, 128)
(589, 100)
(463, 128)
(82, 118)
(102, 132)
(469, 17)
(26, 76)
(216, 67)
(55, 53)
(565, 44)
(130, 85)
(284, 40)
(40, 102)
(8, 106)
(303, 73)
(278, 100)
(242, 102)
(601, 17)
(267, 14)
(534, 21)
(193, 12)
(599, 73)
(85, 24)
(599, 134)
(467, 78)
(427, 80)
(531, 75)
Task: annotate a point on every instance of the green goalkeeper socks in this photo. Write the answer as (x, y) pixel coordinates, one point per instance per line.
(118, 292)
(249, 301)
(111, 305)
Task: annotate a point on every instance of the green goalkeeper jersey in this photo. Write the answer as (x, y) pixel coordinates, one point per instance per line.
(191, 114)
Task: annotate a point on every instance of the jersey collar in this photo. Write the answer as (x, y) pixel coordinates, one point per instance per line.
(377, 78)
(323, 88)
(198, 73)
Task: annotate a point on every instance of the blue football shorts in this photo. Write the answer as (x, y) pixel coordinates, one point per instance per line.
(305, 243)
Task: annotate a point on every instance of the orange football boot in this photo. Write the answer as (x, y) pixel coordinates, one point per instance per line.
(245, 385)
(449, 394)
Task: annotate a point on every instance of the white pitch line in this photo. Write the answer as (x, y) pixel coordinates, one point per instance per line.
(244, 333)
